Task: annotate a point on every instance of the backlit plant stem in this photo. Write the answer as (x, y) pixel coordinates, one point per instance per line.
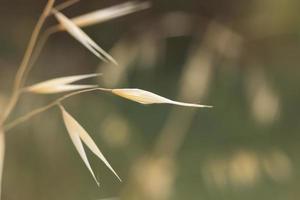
(47, 107)
(24, 64)
(38, 49)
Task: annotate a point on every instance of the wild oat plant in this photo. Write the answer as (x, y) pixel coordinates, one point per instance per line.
(73, 27)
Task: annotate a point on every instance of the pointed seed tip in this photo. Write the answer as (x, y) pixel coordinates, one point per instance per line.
(205, 106)
(113, 61)
(98, 184)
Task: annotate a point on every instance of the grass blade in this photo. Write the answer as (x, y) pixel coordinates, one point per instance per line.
(145, 97)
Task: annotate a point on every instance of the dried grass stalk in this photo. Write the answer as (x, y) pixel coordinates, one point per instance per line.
(145, 97)
(82, 37)
(61, 84)
(78, 133)
(2, 153)
(102, 15)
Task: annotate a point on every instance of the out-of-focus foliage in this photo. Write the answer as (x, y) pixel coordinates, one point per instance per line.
(242, 57)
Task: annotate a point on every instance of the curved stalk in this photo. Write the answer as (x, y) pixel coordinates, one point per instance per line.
(66, 4)
(44, 38)
(37, 111)
(25, 61)
(38, 49)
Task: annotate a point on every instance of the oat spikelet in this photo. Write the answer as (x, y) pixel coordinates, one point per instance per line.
(82, 37)
(61, 84)
(145, 97)
(78, 134)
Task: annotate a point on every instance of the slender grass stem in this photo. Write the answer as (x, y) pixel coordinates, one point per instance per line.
(56, 102)
(38, 49)
(66, 4)
(24, 64)
(44, 38)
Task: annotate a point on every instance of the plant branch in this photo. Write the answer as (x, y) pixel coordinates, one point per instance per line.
(38, 49)
(37, 111)
(44, 37)
(25, 61)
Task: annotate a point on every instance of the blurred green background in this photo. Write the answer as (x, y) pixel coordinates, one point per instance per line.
(242, 57)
